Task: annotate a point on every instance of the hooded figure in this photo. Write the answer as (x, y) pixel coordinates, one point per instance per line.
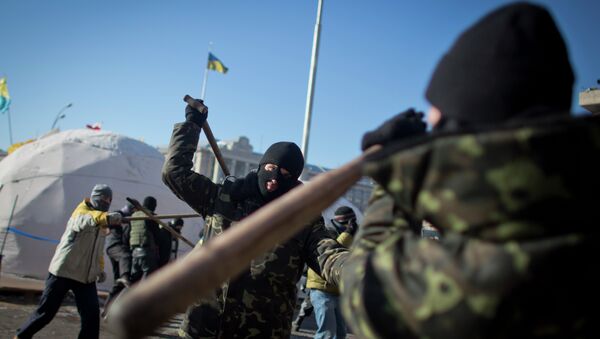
(259, 302)
(507, 176)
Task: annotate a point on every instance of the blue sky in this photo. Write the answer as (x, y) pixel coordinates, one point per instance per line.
(127, 64)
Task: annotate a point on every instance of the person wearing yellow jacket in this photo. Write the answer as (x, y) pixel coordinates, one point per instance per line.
(76, 265)
(323, 295)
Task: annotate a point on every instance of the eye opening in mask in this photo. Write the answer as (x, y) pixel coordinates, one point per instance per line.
(284, 172)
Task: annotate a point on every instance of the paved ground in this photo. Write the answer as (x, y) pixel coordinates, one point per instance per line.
(19, 297)
(15, 308)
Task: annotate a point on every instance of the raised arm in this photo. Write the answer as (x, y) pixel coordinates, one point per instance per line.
(195, 189)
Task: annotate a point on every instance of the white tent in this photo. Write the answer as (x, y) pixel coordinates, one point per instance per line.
(54, 173)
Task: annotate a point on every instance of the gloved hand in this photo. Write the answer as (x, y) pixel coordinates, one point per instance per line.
(114, 218)
(352, 226)
(406, 124)
(101, 277)
(196, 116)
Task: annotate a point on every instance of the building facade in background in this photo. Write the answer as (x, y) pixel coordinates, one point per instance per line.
(240, 158)
(590, 99)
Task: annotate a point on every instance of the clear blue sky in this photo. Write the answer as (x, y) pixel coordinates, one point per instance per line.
(127, 64)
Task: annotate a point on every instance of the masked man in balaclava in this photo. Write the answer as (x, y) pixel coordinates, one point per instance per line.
(76, 266)
(260, 302)
(509, 178)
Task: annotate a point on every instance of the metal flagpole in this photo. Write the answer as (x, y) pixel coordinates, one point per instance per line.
(311, 82)
(9, 126)
(204, 82)
(203, 93)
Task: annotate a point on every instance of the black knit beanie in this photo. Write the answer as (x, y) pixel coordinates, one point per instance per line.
(150, 203)
(509, 63)
(287, 155)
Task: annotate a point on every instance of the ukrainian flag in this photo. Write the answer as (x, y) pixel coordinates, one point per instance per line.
(4, 97)
(215, 64)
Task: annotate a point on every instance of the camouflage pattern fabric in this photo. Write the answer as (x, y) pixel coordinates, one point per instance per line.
(518, 208)
(261, 301)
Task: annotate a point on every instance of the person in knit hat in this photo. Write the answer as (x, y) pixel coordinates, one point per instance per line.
(324, 296)
(77, 265)
(143, 241)
(509, 178)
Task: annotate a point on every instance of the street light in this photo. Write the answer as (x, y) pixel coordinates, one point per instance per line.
(60, 115)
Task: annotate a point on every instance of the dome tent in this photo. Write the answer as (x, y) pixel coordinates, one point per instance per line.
(56, 172)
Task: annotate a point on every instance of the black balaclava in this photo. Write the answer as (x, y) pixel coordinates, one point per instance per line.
(513, 63)
(342, 216)
(285, 155)
(150, 203)
(100, 197)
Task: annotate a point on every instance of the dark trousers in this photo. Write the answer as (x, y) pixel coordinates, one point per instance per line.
(86, 299)
(120, 259)
(144, 262)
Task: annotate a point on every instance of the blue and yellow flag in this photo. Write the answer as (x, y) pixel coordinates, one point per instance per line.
(215, 64)
(4, 97)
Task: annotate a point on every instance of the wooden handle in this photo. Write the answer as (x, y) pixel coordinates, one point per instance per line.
(209, 135)
(151, 216)
(172, 289)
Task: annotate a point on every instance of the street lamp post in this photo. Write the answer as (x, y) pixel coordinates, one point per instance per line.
(60, 115)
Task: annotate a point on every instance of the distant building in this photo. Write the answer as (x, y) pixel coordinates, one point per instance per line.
(590, 100)
(240, 158)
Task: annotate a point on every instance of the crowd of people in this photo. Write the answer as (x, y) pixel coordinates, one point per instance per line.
(136, 248)
(505, 182)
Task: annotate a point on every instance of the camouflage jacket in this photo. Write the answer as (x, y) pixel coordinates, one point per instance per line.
(261, 301)
(518, 207)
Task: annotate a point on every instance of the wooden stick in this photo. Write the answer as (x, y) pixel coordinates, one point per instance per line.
(209, 135)
(164, 216)
(173, 288)
(152, 217)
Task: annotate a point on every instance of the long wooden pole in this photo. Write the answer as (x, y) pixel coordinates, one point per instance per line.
(174, 233)
(210, 136)
(164, 216)
(169, 291)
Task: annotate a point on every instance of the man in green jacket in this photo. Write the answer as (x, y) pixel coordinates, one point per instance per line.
(143, 240)
(508, 177)
(76, 265)
(259, 302)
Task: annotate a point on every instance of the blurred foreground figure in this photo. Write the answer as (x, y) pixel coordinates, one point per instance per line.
(509, 178)
(260, 301)
(77, 265)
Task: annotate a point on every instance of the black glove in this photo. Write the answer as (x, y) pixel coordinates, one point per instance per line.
(196, 116)
(406, 124)
(352, 226)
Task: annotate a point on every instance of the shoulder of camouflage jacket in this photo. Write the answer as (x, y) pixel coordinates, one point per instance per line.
(507, 177)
